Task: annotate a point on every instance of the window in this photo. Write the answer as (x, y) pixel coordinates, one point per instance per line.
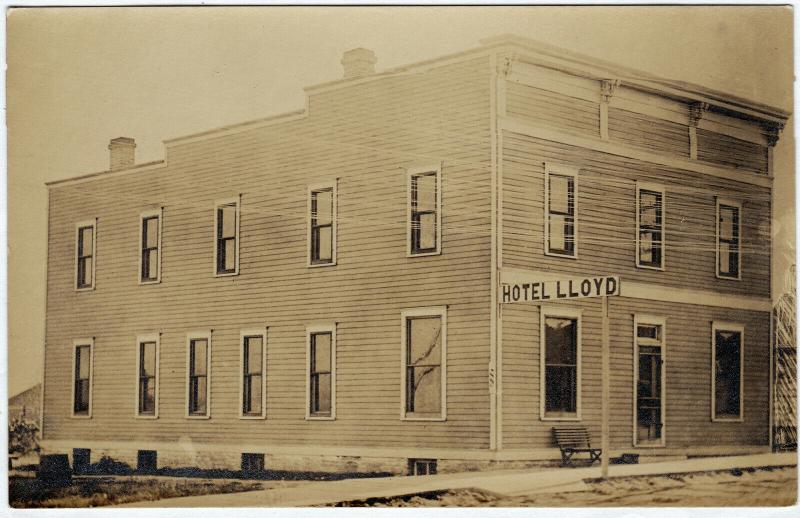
(150, 247)
(146, 461)
(252, 463)
(198, 386)
(81, 460)
(650, 226)
(226, 251)
(649, 373)
(82, 378)
(560, 373)
(560, 211)
(253, 386)
(85, 251)
(424, 335)
(729, 232)
(727, 378)
(424, 211)
(147, 376)
(417, 467)
(321, 372)
(322, 225)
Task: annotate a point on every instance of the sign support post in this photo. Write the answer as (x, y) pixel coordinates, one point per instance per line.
(605, 391)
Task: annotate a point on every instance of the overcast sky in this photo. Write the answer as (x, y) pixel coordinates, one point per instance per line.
(79, 77)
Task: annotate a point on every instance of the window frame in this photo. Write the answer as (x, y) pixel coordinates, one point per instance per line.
(560, 170)
(640, 319)
(75, 344)
(411, 172)
(310, 190)
(140, 339)
(260, 332)
(726, 326)
(428, 311)
(142, 217)
(560, 312)
(198, 335)
(312, 330)
(78, 226)
(656, 188)
(738, 206)
(236, 200)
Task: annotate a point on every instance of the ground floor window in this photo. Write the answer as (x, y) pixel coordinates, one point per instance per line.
(199, 365)
(321, 370)
(424, 354)
(727, 381)
(82, 378)
(253, 373)
(560, 363)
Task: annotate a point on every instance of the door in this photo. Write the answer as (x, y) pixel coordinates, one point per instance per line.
(649, 376)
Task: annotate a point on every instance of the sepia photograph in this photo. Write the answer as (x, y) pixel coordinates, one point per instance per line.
(407, 257)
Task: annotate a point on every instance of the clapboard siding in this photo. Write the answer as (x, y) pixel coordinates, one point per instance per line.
(688, 374)
(731, 151)
(607, 218)
(648, 132)
(551, 109)
(365, 135)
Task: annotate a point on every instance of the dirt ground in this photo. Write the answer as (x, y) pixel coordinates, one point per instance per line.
(730, 488)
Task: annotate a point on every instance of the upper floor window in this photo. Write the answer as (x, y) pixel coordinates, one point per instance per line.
(424, 355)
(321, 369)
(85, 252)
(226, 251)
(424, 210)
(147, 375)
(560, 211)
(198, 386)
(322, 225)
(728, 239)
(560, 353)
(253, 373)
(150, 247)
(82, 378)
(727, 350)
(650, 226)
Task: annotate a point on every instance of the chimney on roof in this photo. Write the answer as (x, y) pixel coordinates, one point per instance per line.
(358, 62)
(121, 153)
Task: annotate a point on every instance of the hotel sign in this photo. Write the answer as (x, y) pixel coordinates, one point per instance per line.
(560, 289)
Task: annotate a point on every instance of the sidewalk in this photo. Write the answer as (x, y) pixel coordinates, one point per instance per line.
(509, 483)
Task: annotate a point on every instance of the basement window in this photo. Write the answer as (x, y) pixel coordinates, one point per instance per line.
(81, 460)
(252, 462)
(418, 467)
(146, 461)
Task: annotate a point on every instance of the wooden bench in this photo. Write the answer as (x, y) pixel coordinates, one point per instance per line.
(572, 440)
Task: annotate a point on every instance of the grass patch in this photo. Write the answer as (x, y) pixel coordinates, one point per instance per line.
(27, 492)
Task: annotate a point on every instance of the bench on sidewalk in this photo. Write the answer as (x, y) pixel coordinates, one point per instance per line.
(574, 439)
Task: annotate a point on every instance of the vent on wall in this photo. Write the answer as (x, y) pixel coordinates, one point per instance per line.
(421, 467)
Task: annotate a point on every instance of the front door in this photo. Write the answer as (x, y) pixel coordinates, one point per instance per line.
(649, 408)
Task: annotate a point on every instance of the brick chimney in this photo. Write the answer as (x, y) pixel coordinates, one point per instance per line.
(358, 62)
(121, 153)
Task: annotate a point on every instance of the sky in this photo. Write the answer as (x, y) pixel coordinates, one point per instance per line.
(77, 78)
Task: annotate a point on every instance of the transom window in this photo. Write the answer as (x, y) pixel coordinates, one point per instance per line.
(423, 363)
(727, 351)
(650, 227)
(322, 225)
(253, 381)
(227, 237)
(85, 249)
(560, 364)
(321, 372)
(198, 386)
(150, 267)
(728, 238)
(560, 212)
(424, 211)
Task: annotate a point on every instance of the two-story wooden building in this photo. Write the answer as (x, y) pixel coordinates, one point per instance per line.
(323, 289)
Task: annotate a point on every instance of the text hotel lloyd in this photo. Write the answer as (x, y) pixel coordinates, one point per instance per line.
(332, 288)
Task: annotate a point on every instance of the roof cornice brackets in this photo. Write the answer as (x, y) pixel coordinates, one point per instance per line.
(508, 64)
(607, 89)
(696, 112)
(772, 132)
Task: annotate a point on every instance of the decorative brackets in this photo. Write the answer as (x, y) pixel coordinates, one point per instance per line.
(607, 89)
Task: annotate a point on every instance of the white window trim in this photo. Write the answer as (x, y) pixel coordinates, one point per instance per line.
(437, 311)
(638, 320)
(321, 328)
(152, 337)
(81, 224)
(75, 345)
(726, 326)
(198, 335)
(640, 186)
(237, 200)
(568, 312)
(560, 170)
(737, 205)
(262, 332)
(149, 214)
(333, 185)
(411, 172)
